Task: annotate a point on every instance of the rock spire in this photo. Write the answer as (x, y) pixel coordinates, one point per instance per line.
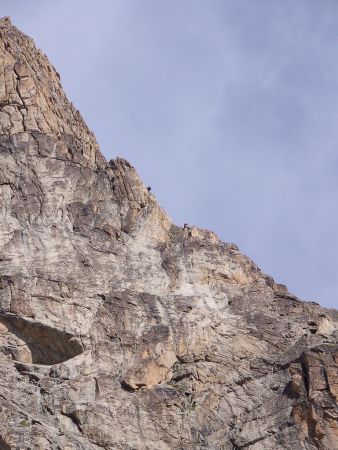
(31, 95)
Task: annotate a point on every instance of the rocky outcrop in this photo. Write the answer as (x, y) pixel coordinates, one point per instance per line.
(120, 330)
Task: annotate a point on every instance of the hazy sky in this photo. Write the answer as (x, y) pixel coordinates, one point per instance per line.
(227, 108)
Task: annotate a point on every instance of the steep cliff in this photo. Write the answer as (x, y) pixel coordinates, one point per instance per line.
(120, 330)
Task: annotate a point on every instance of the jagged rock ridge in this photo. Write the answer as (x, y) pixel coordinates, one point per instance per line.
(120, 330)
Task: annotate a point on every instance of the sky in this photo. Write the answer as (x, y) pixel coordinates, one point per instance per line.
(228, 109)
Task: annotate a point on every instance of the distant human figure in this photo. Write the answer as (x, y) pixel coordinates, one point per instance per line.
(187, 227)
(148, 188)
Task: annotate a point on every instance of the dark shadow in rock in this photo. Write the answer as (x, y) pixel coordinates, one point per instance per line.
(3, 444)
(126, 387)
(290, 390)
(47, 345)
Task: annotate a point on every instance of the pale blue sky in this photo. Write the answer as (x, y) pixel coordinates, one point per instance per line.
(227, 108)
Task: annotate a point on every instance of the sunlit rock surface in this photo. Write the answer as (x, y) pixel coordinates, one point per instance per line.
(120, 330)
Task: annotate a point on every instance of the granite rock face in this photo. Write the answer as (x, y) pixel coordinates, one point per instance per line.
(120, 330)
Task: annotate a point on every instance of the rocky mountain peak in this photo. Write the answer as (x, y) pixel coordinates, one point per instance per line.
(31, 95)
(121, 330)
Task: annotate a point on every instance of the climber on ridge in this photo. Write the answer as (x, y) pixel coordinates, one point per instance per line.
(188, 228)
